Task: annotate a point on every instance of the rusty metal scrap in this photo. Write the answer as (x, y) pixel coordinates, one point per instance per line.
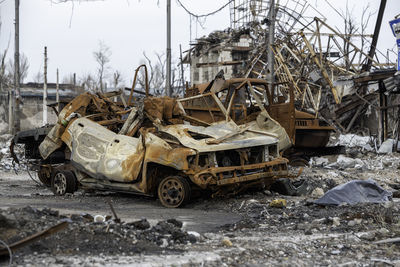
(245, 99)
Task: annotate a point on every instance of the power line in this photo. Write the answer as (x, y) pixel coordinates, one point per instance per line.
(203, 15)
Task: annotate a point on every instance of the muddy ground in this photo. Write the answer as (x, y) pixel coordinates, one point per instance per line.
(240, 231)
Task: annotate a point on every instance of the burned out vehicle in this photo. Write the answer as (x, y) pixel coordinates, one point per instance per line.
(154, 148)
(243, 99)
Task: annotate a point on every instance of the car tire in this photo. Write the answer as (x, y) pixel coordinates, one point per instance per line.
(63, 182)
(289, 187)
(174, 191)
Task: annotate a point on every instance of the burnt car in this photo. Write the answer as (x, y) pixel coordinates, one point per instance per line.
(244, 98)
(153, 148)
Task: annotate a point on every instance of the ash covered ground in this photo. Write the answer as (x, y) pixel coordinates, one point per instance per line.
(244, 230)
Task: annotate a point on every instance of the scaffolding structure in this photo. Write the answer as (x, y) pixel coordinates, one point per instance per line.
(245, 13)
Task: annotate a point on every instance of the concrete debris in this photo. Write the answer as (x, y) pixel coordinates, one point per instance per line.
(344, 162)
(195, 236)
(142, 224)
(388, 146)
(336, 221)
(6, 160)
(353, 140)
(317, 192)
(319, 161)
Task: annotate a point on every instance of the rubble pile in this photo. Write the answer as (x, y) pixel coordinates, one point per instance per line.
(84, 235)
(304, 234)
(6, 161)
(332, 73)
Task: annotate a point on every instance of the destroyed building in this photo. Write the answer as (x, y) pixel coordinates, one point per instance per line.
(32, 102)
(339, 77)
(221, 50)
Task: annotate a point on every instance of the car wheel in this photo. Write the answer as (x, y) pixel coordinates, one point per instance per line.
(299, 161)
(174, 191)
(63, 182)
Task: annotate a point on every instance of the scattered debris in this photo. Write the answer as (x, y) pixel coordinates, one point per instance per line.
(106, 238)
(387, 146)
(226, 242)
(317, 192)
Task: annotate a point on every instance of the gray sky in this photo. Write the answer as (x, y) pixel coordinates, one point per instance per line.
(129, 28)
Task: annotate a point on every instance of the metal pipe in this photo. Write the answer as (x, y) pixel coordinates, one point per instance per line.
(134, 82)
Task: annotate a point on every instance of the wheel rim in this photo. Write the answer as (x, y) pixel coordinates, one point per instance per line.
(172, 192)
(60, 183)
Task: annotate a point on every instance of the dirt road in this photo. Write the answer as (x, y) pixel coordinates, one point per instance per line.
(19, 190)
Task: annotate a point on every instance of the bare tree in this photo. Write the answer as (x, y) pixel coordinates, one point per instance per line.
(117, 79)
(68, 79)
(4, 78)
(88, 82)
(102, 57)
(350, 27)
(38, 78)
(23, 68)
(365, 17)
(157, 75)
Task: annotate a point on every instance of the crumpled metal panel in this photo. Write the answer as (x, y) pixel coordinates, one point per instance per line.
(162, 108)
(102, 153)
(219, 130)
(159, 151)
(267, 124)
(52, 141)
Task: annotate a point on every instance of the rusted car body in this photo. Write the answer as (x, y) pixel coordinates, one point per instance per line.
(243, 99)
(155, 148)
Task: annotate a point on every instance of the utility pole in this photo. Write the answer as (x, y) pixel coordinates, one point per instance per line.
(57, 92)
(11, 111)
(182, 74)
(45, 88)
(168, 78)
(271, 36)
(15, 95)
(17, 72)
(378, 24)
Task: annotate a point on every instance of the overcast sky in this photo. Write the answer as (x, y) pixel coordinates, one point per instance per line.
(129, 28)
